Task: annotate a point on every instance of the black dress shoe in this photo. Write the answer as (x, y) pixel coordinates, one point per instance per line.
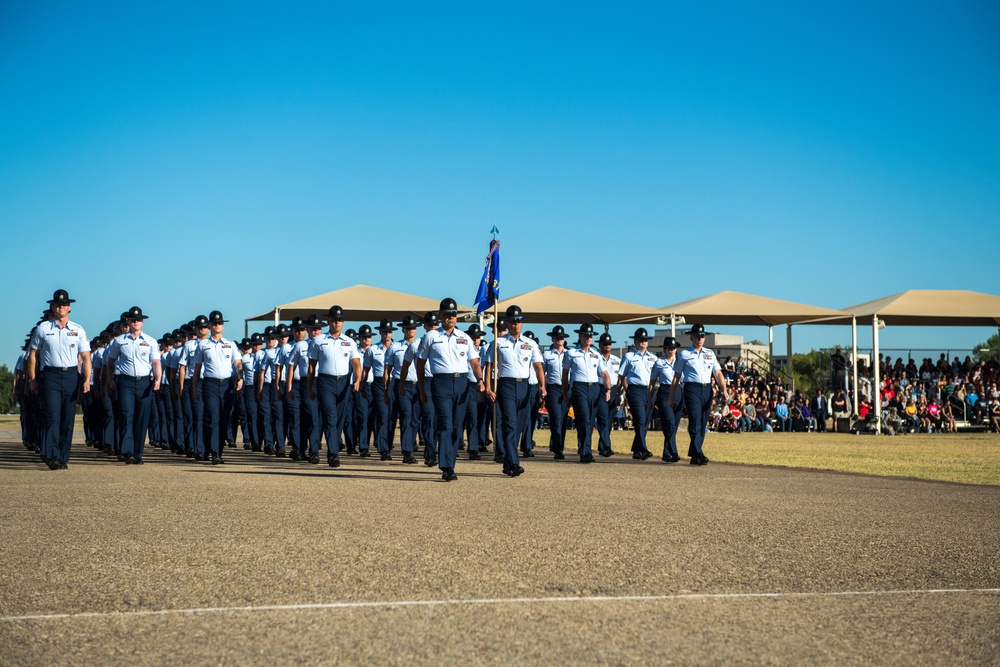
(280, 452)
(137, 462)
(704, 459)
(430, 463)
(247, 445)
(334, 461)
(385, 457)
(528, 454)
(449, 475)
(497, 459)
(697, 460)
(255, 448)
(314, 460)
(636, 455)
(408, 457)
(53, 465)
(63, 466)
(294, 455)
(474, 456)
(366, 453)
(216, 461)
(589, 458)
(129, 460)
(515, 471)
(559, 456)
(199, 457)
(606, 453)
(669, 459)
(645, 455)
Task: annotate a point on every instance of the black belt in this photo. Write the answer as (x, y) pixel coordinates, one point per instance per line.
(699, 384)
(217, 379)
(57, 368)
(450, 375)
(119, 377)
(586, 384)
(644, 386)
(335, 377)
(515, 379)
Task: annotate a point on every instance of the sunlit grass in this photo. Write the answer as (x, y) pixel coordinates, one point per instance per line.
(971, 458)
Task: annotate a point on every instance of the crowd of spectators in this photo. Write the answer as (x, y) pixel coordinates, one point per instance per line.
(929, 398)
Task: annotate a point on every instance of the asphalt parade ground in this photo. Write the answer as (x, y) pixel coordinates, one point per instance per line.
(265, 561)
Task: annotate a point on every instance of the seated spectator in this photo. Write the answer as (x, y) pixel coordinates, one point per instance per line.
(781, 413)
(934, 415)
(994, 415)
(736, 414)
(910, 420)
(864, 407)
(807, 415)
(749, 421)
(948, 417)
(764, 416)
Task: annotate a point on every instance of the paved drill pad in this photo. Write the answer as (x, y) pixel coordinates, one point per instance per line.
(111, 539)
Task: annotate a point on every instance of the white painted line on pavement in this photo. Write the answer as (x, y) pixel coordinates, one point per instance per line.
(490, 601)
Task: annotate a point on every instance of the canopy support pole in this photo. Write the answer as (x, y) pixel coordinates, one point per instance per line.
(277, 316)
(854, 358)
(877, 388)
(788, 336)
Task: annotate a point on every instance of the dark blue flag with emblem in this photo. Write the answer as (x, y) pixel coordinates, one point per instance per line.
(489, 286)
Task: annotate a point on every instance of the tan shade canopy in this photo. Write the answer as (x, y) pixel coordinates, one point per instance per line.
(359, 302)
(556, 305)
(738, 308)
(931, 308)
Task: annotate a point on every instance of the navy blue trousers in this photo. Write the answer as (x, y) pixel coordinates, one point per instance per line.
(179, 424)
(669, 419)
(557, 416)
(332, 393)
(362, 408)
(194, 422)
(216, 399)
(513, 396)
(61, 391)
(105, 421)
(448, 397)
(409, 417)
(293, 410)
(638, 404)
(528, 434)
(135, 397)
(250, 409)
(311, 422)
(604, 420)
(698, 401)
(426, 428)
(585, 400)
(471, 426)
(380, 416)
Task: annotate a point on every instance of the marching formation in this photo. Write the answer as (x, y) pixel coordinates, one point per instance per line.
(292, 388)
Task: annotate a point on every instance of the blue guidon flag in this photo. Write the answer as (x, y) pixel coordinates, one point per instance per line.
(489, 286)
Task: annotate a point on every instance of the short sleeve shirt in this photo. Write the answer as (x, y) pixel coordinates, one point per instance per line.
(59, 347)
(696, 367)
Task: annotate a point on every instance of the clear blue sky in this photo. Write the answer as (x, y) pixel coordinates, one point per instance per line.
(191, 156)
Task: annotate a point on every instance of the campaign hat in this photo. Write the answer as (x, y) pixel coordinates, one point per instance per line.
(335, 313)
(135, 313)
(514, 314)
(474, 331)
(641, 334)
(314, 322)
(215, 317)
(431, 319)
(586, 328)
(697, 330)
(281, 330)
(409, 322)
(448, 306)
(558, 332)
(297, 323)
(364, 331)
(385, 325)
(605, 339)
(199, 322)
(670, 343)
(61, 296)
